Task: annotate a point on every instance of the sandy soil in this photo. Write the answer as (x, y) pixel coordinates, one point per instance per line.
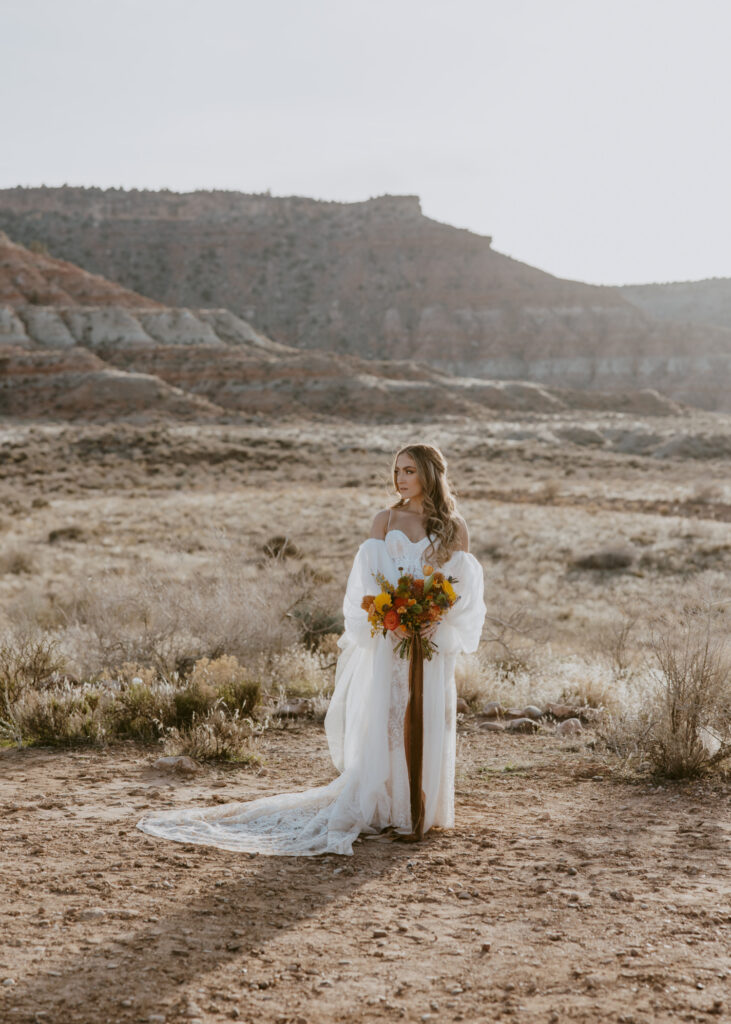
(566, 892)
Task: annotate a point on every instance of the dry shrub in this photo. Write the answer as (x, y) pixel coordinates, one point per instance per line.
(614, 641)
(606, 560)
(216, 736)
(680, 726)
(26, 663)
(690, 719)
(296, 672)
(65, 716)
(281, 547)
(470, 679)
(168, 622)
(230, 681)
(16, 561)
(141, 711)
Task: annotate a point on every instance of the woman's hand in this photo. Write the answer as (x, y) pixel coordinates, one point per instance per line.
(401, 632)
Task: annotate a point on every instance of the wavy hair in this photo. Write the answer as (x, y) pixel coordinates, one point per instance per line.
(440, 508)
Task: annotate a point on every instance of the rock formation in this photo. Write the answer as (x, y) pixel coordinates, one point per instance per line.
(129, 356)
(376, 279)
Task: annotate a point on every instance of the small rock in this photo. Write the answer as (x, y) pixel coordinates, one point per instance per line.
(622, 895)
(380, 933)
(561, 711)
(485, 947)
(522, 725)
(569, 727)
(182, 765)
(492, 726)
(299, 708)
(8, 981)
(513, 713)
(463, 707)
(92, 914)
(492, 710)
(531, 711)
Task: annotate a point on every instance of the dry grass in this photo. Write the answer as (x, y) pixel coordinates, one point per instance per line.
(679, 723)
(690, 716)
(217, 736)
(17, 560)
(168, 572)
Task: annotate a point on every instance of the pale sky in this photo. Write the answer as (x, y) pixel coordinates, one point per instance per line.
(590, 138)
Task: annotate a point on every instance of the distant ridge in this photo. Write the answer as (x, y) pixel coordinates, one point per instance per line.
(138, 359)
(375, 279)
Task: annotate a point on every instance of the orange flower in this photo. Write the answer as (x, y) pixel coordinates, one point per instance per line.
(367, 602)
(391, 619)
(428, 570)
(400, 602)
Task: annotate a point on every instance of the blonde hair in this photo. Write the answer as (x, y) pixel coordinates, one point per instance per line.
(440, 509)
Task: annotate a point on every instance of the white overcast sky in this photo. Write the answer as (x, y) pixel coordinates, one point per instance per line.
(590, 138)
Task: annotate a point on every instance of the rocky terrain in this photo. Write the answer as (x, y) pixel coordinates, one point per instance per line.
(375, 279)
(73, 345)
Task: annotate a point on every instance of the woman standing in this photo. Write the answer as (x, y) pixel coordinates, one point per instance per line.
(377, 757)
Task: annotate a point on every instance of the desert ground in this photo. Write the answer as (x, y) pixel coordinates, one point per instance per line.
(577, 884)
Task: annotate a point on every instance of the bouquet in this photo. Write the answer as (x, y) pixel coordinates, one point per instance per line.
(412, 603)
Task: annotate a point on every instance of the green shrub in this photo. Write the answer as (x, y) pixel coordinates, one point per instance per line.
(142, 712)
(242, 695)
(194, 701)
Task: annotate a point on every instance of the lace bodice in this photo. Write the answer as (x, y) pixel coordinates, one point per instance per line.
(407, 554)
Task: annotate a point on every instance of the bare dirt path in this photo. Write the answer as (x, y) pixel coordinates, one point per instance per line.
(564, 894)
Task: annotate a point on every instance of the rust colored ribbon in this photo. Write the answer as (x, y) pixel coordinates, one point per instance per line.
(414, 737)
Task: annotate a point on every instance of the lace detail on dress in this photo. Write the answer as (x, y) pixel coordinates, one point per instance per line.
(399, 774)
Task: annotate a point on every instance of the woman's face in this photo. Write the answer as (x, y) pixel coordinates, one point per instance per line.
(407, 478)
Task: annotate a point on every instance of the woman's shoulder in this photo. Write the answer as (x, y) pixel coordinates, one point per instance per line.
(380, 524)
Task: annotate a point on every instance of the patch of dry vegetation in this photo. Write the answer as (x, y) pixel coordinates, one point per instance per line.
(185, 598)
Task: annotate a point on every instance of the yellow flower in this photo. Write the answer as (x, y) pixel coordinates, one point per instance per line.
(448, 589)
(428, 570)
(382, 601)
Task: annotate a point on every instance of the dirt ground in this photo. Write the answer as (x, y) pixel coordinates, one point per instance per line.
(567, 892)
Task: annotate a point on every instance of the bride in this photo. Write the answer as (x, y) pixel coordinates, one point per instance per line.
(366, 718)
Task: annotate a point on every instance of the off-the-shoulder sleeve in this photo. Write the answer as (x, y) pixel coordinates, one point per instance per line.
(371, 558)
(461, 627)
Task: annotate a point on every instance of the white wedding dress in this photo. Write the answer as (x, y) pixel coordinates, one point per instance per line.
(365, 729)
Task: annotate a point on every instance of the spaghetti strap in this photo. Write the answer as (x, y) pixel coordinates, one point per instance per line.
(388, 524)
